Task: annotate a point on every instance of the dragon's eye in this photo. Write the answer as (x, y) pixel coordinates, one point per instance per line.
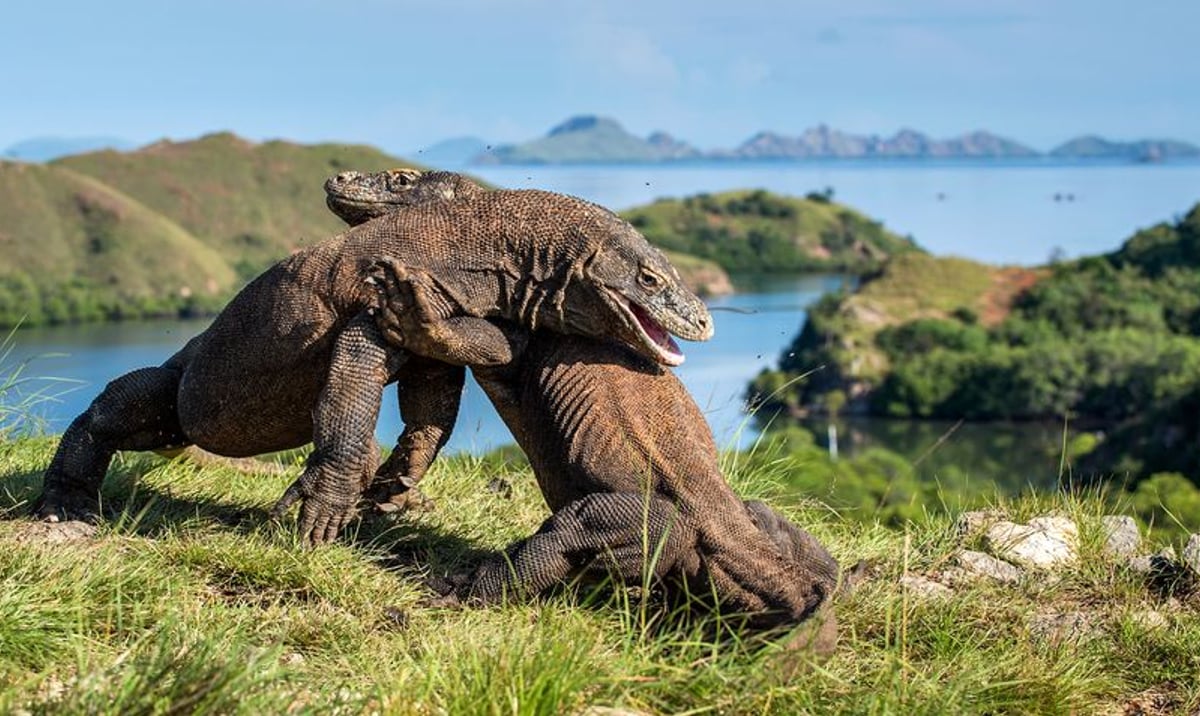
(647, 279)
(399, 179)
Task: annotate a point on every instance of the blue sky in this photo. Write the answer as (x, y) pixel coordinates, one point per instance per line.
(402, 75)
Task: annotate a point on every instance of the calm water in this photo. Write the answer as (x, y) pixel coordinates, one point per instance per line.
(999, 213)
(716, 372)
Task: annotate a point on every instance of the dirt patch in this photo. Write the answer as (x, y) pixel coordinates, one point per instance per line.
(1008, 283)
(54, 532)
(1156, 701)
(817, 251)
(867, 313)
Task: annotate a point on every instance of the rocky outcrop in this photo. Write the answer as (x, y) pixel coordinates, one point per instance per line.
(1046, 548)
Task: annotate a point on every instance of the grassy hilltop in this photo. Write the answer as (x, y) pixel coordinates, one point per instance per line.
(75, 248)
(254, 201)
(165, 230)
(189, 600)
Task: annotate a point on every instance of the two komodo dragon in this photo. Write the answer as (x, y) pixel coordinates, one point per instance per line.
(621, 452)
(296, 356)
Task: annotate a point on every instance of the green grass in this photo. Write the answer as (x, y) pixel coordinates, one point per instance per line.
(190, 600)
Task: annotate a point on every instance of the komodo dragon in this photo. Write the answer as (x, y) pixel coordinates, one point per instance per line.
(620, 450)
(296, 356)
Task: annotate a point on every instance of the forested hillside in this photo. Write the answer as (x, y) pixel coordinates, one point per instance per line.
(755, 230)
(1105, 340)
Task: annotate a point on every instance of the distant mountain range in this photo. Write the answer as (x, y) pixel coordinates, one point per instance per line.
(594, 139)
(44, 149)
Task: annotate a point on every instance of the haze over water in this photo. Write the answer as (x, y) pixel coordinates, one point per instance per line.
(998, 212)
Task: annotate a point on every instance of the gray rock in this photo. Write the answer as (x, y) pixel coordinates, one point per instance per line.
(1045, 543)
(975, 522)
(1150, 619)
(1121, 536)
(977, 565)
(1191, 554)
(925, 588)
(1054, 627)
(1148, 564)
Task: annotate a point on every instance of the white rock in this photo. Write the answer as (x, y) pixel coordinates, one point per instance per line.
(1121, 536)
(984, 566)
(925, 588)
(1044, 543)
(1052, 524)
(1191, 554)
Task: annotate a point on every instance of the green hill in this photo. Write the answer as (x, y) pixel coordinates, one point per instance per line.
(251, 202)
(170, 229)
(755, 230)
(76, 249)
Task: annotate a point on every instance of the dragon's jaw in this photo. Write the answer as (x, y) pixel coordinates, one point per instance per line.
(648, 336)
(359, 211)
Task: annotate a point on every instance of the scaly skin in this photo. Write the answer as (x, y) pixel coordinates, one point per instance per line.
(624, 459)
(297, 357)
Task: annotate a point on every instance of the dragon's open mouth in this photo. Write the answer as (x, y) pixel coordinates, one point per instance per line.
(654, 336)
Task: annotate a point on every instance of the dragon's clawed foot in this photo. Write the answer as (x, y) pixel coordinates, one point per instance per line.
(322, 517)
(68, 503)
(404, 310)
(446, 591)
(411, 500)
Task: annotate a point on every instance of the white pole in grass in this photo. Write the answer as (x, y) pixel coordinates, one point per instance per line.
(833, 450)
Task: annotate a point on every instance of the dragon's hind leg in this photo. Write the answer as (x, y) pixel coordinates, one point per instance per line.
(134, 412)
(627, 536)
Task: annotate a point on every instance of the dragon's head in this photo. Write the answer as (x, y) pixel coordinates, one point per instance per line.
(357, 197)
(645, 298)
(629, 291)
